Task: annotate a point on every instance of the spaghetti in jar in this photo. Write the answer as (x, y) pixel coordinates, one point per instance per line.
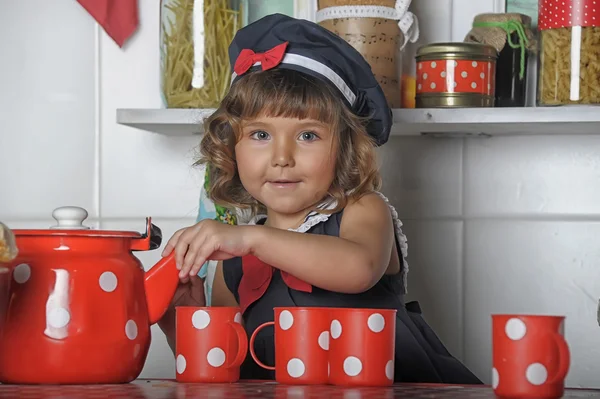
(569, 71)
(195, 37)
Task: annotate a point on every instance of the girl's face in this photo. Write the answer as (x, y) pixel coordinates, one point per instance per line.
(286, 164)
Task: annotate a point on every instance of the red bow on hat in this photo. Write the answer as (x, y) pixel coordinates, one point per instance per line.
(269, 59)
(256, 278)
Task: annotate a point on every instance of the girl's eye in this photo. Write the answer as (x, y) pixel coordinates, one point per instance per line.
(308, 136)
(260, 135)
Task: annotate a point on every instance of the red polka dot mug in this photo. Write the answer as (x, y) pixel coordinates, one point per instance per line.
(211, 344)
(530, 356)
(80, 304)
(362, 348)
(301, 345)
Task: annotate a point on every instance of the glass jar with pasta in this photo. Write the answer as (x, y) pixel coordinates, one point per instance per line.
(195, 37)
(569, 71)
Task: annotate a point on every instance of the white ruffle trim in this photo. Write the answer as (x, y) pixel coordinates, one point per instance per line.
(402, 240)
(311, 221)
(314, 218)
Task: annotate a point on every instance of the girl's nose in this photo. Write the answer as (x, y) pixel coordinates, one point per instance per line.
(283, 154)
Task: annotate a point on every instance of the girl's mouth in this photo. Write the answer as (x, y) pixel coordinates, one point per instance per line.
(283, 183)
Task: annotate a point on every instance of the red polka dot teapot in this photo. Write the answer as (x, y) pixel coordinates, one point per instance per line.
(80, 305)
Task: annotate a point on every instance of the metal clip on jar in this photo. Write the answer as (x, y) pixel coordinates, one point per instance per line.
(456, 75)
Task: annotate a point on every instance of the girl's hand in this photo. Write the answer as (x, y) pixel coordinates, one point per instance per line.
(190, 293)
(207, 240)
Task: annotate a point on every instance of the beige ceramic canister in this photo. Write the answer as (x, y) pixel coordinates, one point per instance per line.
(378, 38)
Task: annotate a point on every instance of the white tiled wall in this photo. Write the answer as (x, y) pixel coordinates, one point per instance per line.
(494, 225)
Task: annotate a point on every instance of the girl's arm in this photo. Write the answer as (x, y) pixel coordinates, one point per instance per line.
(350, 263)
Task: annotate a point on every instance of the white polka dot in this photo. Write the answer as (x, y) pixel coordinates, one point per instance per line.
(482, 75)
(536, 374)
(216, 357)
(455, 63)
(200, 319)
(352, 366)
(515, 329)
(425, 76)
(22, 273)
(238, 318)
(131, 330)
(389, 370)
(432, 85)
(464, 74)
(181, 364)
(443, 74)
(474, 85)
(324, 340)
(495, 378)
(420, 66)
(336, 329)
(419, 86)
(295, 368)
(455, 84)
(474, 64)
(108, 281)
(58, 317)
(286, 320)
(376, 322)
(433, 64)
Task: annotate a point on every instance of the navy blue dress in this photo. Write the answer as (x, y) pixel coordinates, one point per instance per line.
(420, 355)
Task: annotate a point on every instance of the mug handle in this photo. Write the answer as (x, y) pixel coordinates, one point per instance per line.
(564, 359)
(242, 345)
(252, 338)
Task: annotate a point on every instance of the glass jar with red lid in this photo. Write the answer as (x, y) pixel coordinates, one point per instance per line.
(569, 70)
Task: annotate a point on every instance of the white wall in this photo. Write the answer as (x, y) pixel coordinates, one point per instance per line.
(494, 225)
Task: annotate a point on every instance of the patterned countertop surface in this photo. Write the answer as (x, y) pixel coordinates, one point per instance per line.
(169, 389)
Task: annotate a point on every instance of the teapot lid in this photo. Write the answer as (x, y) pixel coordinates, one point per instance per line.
(69, 222)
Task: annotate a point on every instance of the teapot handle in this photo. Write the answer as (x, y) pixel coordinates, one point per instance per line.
(150, 240)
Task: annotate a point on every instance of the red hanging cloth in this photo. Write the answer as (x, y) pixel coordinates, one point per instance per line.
(118, 18)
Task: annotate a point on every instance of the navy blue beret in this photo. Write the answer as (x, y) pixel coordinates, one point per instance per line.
(280, 41)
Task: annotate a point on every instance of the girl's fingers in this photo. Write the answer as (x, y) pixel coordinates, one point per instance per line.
(203, 253)
(194, 248)
(172, 242)
(183, 247)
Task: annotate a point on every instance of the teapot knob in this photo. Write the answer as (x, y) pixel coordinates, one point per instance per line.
(70, 217)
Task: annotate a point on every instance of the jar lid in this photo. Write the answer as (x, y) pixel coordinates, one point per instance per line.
(456, 50)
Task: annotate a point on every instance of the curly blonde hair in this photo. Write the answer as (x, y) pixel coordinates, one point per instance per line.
(286, 93)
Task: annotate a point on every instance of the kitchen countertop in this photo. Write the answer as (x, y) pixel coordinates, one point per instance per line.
(167, 389)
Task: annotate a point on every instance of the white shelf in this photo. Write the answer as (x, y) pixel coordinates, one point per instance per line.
(456, 122)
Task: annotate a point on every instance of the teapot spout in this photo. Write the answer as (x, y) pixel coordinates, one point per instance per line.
(160, 285)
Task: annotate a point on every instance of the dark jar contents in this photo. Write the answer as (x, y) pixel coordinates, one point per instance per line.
(513, 39)
(510, 86)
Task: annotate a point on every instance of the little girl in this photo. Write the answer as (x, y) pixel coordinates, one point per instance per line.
(294, 141)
